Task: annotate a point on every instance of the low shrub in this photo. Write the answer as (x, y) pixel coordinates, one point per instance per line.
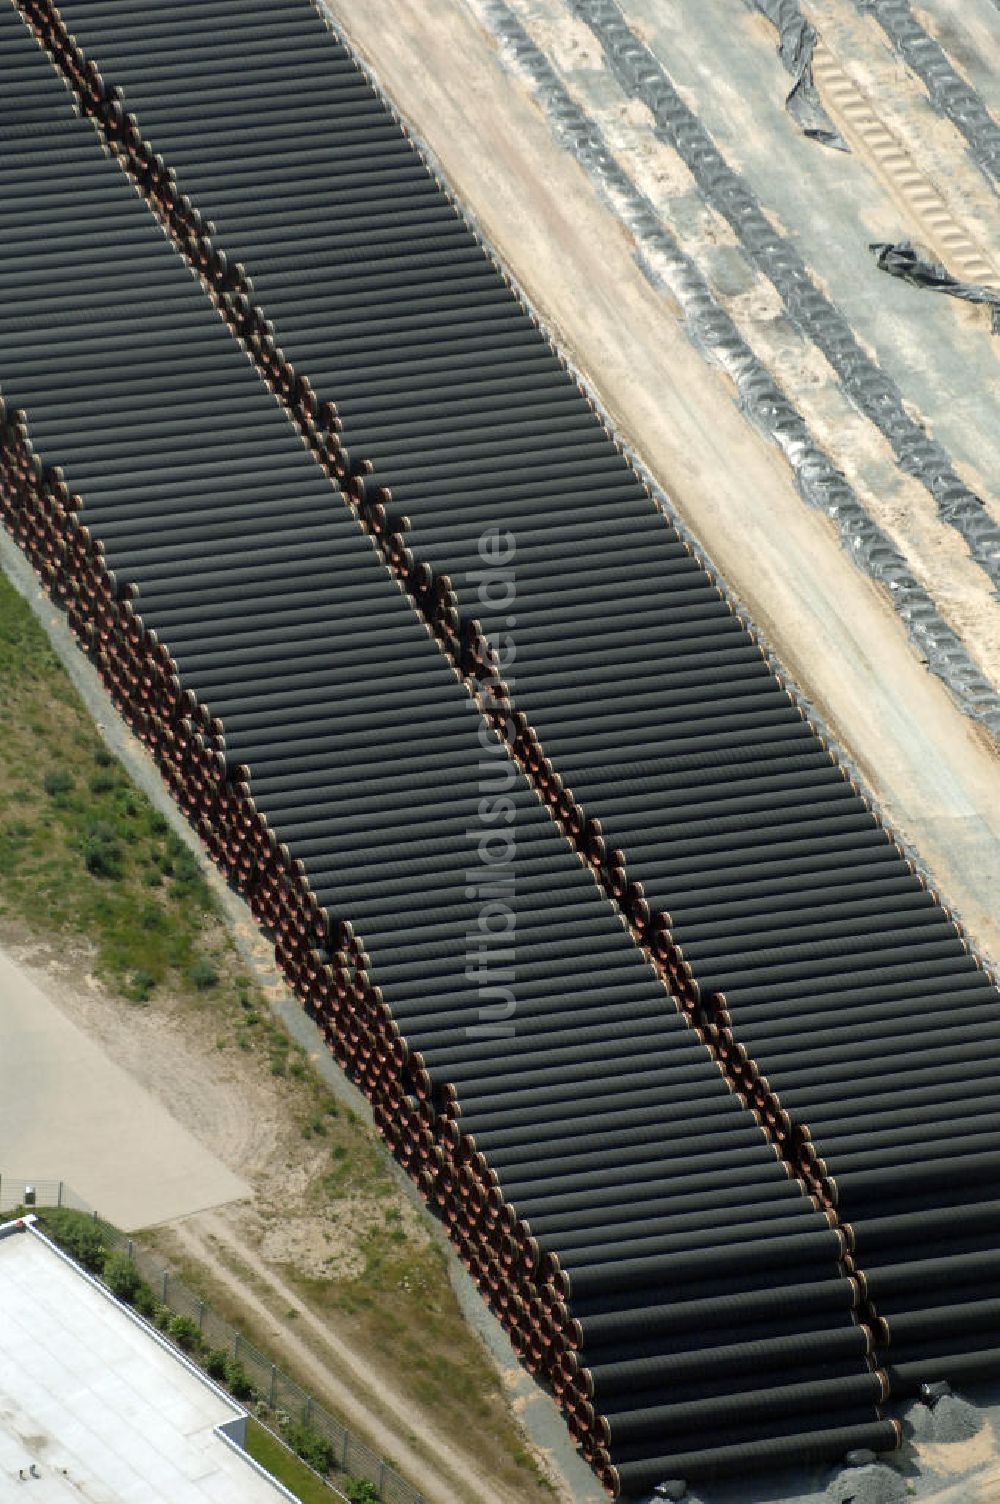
(80, 1237)
(102, 854)
(57, 781)
(145, 1302)
(140, 987)
(313, 1448)
(184, 1330)
(121, 1276)
(238, 1380)
(361, 1491)
(186, 869)
(203, 974)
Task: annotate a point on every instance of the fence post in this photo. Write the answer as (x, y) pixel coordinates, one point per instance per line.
(130, 1250)
(236, 1346)
(347, 1443)
(59, 1194)
(307, 1410)
(166, 1284)
(273, 1391)
(381, 1474)
(201, 1315)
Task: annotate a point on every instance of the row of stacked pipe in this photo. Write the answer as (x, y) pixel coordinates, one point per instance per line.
(695, 1225)
(322, 744)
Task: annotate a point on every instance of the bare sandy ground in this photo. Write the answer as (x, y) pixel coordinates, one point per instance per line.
(937, 779)
(69, 1112)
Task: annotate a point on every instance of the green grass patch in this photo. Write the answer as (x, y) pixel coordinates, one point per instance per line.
(82, 851)
(288, 1469)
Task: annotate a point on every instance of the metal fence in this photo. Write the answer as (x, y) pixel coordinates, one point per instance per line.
(276, 1394)
(14, 1192)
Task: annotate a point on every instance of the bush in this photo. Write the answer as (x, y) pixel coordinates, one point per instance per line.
(186, 869)
(240, 1386)
(311, 1447)
(158, 823)
(57, 781)
(121, 1276)
(102, 854)
(140, 987)
(362, 1491)
(215, 1363)
(102, 783)
(102, 757)
(204, 975)
(81, 1240)
(145, 1301)
(184, 1330)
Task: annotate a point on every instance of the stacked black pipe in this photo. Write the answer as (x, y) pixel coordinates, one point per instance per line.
(619, 1206)
(786, 918)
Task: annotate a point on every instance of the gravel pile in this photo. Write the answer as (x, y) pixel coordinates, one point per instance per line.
(873, 1484)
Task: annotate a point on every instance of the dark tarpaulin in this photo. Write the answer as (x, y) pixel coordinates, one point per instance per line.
(904, 261)
(797, 41)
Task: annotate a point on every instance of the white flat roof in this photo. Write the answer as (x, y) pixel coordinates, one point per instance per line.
(103, 1411)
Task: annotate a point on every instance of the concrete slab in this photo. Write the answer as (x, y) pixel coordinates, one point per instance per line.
(68, 1112)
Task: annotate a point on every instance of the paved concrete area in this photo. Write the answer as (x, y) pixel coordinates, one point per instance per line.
(68, 1112)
